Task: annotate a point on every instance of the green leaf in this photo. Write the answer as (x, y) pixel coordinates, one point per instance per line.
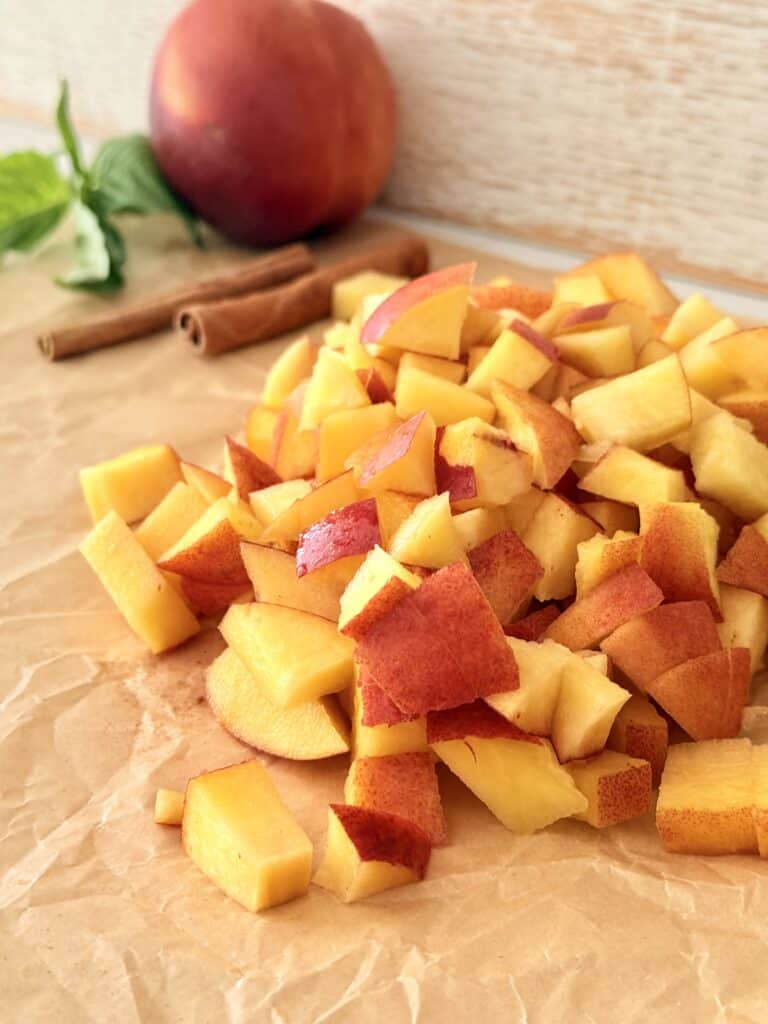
(67, 131)
(99, 253)
(128, 180)
(33, 199)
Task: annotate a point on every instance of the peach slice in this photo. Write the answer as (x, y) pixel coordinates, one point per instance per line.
(649, 645)
(679, 551)
(294, 655)
(641, 410)
(270, 502)
(402, 784)
(553, 536)
(614, 601)
(425, 315)
(627, 276)
(445, 401)
(477, 525)
(246, 471)
(478, 465)
(169, 807)
(150, 605)
(586, 708)
(640, 731)
(705, 803)
(428, 537)
(378, 584)
(378, 386)
(600, 557)
(746, 564)
(305, 732)
(506, 571)
(627, 476)
(421, 661)
(536, 428)
(131, 484)
(169, 521)
(531, 707)
(600, 352)
(583, 289)
(445, 368)
(706, 371)
(617, 787)
(275, 581)
(516, 775)
(240, 834)
(346, 532)
(519, 356)
(393, 508)
(259, 433)
(333, 386)
(399, 459)
(293, 450)
(209, 485)
(342, 432)
(210, 549)
(292, 366)
(209, 599)
(612, 516)
(314, 506)
(534, 625)
(751, 406)
(706, 695)
(369, 852)
(745, 622)
(730, 465)
(611, 314)
(379, 727)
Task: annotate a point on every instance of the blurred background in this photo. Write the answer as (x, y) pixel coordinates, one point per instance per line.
(583, 126)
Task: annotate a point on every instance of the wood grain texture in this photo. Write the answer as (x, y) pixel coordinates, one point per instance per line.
(593, 124)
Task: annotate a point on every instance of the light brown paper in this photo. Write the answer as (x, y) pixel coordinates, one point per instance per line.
(103, 918)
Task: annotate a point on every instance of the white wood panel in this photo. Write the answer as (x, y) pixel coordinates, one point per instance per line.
(590, 124)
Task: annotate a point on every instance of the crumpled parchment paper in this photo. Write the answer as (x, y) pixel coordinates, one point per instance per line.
(103, 918)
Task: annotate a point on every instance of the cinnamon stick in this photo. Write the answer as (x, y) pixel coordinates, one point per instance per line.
(217, 327)
(265, 271)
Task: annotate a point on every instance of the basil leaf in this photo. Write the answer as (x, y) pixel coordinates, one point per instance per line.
(67, 131)
(128, 180)
(99, 252)
(33, 199)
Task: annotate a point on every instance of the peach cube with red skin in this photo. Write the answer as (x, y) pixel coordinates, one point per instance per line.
(617, 787)
(746, 564)
(506, 571)
(403, 784)
(640, 731)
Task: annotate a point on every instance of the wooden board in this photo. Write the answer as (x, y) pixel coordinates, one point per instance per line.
(592, 124)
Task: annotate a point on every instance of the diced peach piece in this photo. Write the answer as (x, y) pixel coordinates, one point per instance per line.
(393, 509)
(751, 406)
(343, 432)
(428, 536)
(151, 606)
(169, 807)
(168, 522)
(210, 549)
(208, 485)
(600, 557)
(745, 622)
(705, 803)
(612, 516)
(627, 476)
(445, 401)
(690, 319)
(506, 571)
(504, 293)
(587, 706)
(604, 352)
(652, 352)
(208, 599)
(746, 564)
(131, 484)
(308, 731)
(519, 356)
(706, 371)
(293, 451)
(314, 506)
(731, 466)
(425, 315)
(477, 525)
(270, 502)
(679, 551)
(421, 661)
(611, 314)
(402, 784)
(531, 707)
(350, 291)
(519, 513)
(553, 536)
(246, 471)
(295, 656)
(240, 834)
(275, 581)
(653, 643)
(641, 410)
(333, 386)
(292, 366)
(401, 458)
(614, 601)
(346, 533)
(379, 728)
(534, 625)
(445, 368)
(627, 276)
(479, 465)
(745, 354)
(617, 787)
(259, 434)
(516, 775)
(368, 852)
(371, 591)
(583, 289)
(640, 731)
(706, 695)
(535, 427)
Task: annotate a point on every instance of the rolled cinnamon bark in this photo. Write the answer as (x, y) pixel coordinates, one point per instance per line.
(273, 268)
(217, 327)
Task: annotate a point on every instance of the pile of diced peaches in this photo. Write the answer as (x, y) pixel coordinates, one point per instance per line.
(522, 534)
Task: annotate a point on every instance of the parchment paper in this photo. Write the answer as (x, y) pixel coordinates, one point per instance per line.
(104, 919)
